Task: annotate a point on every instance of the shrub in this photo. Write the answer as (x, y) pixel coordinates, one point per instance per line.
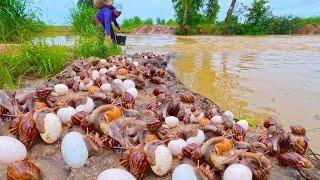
(132, 23)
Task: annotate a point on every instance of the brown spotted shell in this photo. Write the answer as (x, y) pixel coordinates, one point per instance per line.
(153, 125)
(43, 92)
(298, 130)
(138, 162)
(83, 120)
(159, 89)
(157, 80)
(238, 132)
(27, 130)
(187, 98)
(192, 151)
(127, 100)
(23, 170)
(294, 160)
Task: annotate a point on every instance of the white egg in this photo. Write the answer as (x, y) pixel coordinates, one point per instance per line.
(112, 69)
(129, 59)
(163, 160)
(171, 121)
(61, 89)
(52, 128)
(76, 78)
(216, 120)
(184, 172)
(198, 139)
(65, 114)
(244, 124)
(176, 146)
(136, 63)
(87, 107)
(119, 83)
(103, 71)
(95, 74)
(74, 150)
(196, 119)
(106, 87)
(133, 91)
(229, 114)
(237, 171)
(116, 174)
(11, 150)
(103, 61)
(127, 84)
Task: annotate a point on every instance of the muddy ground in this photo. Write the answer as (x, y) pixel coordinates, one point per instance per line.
(53, 167)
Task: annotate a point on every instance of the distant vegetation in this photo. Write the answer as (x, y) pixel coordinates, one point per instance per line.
(200, 17)
(17, 21)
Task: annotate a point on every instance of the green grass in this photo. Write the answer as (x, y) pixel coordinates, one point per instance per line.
(52, 31)
(87, 47)
(83, 21)
(132, 23)
(17, 21)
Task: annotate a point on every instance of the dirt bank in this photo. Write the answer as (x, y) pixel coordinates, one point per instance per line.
(52, 165)
(154, 29)
(310, 29)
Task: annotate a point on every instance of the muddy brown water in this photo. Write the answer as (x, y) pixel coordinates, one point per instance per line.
(254, 77)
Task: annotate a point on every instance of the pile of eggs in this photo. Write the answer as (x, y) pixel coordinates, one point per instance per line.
(74, 149)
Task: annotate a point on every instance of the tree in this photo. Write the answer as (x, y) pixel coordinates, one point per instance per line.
(230, 11)
(187, 12)
(85, 3)
(258, 17)
(212, 10)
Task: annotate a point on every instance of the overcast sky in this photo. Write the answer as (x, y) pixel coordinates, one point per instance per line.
(58, 11)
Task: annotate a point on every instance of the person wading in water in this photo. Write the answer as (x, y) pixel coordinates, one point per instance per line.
(105, 16)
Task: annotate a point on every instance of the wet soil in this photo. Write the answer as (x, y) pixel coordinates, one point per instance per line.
(154, 29)
(53, 167)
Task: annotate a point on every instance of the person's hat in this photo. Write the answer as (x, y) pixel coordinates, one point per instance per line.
(99, 3)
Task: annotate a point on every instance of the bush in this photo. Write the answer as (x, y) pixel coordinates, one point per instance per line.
(83, 21)
(283, 25)
(87, 47)
(17, 22)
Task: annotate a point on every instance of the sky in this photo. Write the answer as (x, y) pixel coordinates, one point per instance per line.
(57, 12)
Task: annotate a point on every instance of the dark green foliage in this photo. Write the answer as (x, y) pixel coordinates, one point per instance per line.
(17, 22)
(160, 21)
(85, 3)
(212, 10)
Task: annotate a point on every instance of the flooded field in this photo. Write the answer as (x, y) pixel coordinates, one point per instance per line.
(255, 77)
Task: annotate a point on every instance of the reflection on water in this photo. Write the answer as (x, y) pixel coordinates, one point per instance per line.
(68, 40)
(255, 77)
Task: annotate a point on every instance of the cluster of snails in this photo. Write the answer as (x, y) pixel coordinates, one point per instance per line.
(126, 104)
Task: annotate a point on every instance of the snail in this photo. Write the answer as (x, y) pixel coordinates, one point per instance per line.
(65, 114)
(159, 157)
(86, 106)
(102, 115)
(23, 170)
(197, 139)
(61, 89)
(192, 151)
(48, 125)
(25, 128)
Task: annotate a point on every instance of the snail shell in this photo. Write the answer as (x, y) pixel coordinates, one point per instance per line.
(171, 121)
(115, 173)
(66, 113)
(11, 150)
(184, 171)
(61, 89)
(23, 170)
(52, 128)
(163, 161)
(176, 146)
(86, 107)
(198, 139)
(237, 171)
(74, 150)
